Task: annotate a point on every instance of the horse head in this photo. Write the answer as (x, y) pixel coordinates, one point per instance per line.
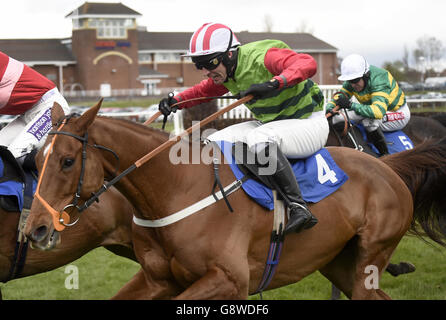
(56, 199)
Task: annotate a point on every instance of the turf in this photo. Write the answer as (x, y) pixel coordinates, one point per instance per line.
(102, 274)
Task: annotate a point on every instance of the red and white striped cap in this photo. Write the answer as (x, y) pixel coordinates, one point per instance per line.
(211, 38)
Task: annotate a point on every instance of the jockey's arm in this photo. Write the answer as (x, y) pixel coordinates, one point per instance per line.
(206, 88)
(289, 67)
(331, 104)
(378, 105)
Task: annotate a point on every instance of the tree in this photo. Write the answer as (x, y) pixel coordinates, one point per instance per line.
(268, 23)
(428, 53)
(397, 69)
(304, 27)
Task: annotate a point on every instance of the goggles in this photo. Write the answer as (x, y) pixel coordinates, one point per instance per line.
(209, 63)
(354, 81)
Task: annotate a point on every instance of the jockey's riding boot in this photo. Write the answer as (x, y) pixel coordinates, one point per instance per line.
(283, 178)
(377, 138)
(29, 161)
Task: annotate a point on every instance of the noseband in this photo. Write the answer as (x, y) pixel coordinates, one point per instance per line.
(62, 217)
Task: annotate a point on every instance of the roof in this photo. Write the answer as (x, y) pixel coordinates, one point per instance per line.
(37, 50)
(303, 42)
(96, 8)
(163, 40)
(41, 51)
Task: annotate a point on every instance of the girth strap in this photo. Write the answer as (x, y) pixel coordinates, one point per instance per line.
(217, 182)
(275, 248)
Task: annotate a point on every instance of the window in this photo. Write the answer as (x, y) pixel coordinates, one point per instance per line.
(145, 57)
(167, 57)
(111, 28)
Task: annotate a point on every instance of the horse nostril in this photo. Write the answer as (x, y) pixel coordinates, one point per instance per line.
(39, 234)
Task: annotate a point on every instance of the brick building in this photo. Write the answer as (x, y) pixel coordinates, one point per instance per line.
(110, 55)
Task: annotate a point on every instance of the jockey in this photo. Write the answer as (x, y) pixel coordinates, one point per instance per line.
(28, 94)
(288, 106)
(382, 105)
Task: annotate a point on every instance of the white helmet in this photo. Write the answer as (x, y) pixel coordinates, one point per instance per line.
(211, 38)
(353, 66)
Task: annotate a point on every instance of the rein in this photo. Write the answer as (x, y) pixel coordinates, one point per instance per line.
(175, 105)
(347, 131)
(62, 219)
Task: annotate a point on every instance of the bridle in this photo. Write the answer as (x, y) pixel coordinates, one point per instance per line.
(347, 130)
(62, 219)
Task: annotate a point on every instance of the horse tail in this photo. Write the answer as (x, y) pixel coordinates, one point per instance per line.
(423, 169)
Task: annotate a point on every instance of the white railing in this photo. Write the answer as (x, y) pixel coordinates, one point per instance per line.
(240, 112)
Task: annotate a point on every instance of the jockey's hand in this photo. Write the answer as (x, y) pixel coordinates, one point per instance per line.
(342, 101)
(330, 112)
(165, 105)
(261, 90)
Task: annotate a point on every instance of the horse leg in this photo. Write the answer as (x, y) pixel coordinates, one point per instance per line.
(216, 284)
(341, 269)
(142, 287)
(348, 273)
(372, 261)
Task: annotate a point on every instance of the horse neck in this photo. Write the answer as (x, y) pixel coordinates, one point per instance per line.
(148, 186)
(345, 141)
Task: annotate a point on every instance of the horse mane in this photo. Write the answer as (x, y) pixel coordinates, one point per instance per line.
(423, 169)
(135, 125)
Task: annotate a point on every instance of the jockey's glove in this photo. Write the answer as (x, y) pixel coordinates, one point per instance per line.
(165, 105)
(342, 101)
(261, 90)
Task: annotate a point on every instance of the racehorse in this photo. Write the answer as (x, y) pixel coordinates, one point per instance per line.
(106, 224)
(418, 129)
(216, 254)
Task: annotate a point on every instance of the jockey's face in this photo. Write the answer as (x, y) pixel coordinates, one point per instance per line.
(219, 74)
(358, 86)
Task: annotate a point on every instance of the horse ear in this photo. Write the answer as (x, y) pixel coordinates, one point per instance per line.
(88, 117)
(56, 114)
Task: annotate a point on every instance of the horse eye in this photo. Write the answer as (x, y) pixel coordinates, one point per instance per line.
(67, 162)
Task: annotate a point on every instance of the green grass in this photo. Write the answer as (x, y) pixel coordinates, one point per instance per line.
(102, 274)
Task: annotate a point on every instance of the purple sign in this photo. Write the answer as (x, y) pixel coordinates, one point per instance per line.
(41, 126)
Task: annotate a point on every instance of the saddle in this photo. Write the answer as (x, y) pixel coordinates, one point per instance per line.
(397, 141)
(16, 184)
(318, 175)
(245, 160)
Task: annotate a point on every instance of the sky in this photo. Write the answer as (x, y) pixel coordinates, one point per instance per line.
(378, 29)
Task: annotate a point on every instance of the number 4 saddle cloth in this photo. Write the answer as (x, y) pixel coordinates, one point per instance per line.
(318, 176)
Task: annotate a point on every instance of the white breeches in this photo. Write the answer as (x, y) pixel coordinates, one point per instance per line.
(29, 130)
(296, 138)
(392, 120)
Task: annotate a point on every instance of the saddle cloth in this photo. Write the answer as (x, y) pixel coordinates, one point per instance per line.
(318, 176)
(12, 184)
(397, 141)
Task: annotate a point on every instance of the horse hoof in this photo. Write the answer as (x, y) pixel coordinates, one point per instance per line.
(401, 268)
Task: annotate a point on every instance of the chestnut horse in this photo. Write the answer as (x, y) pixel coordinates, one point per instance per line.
(216, 254)
(107, 223)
